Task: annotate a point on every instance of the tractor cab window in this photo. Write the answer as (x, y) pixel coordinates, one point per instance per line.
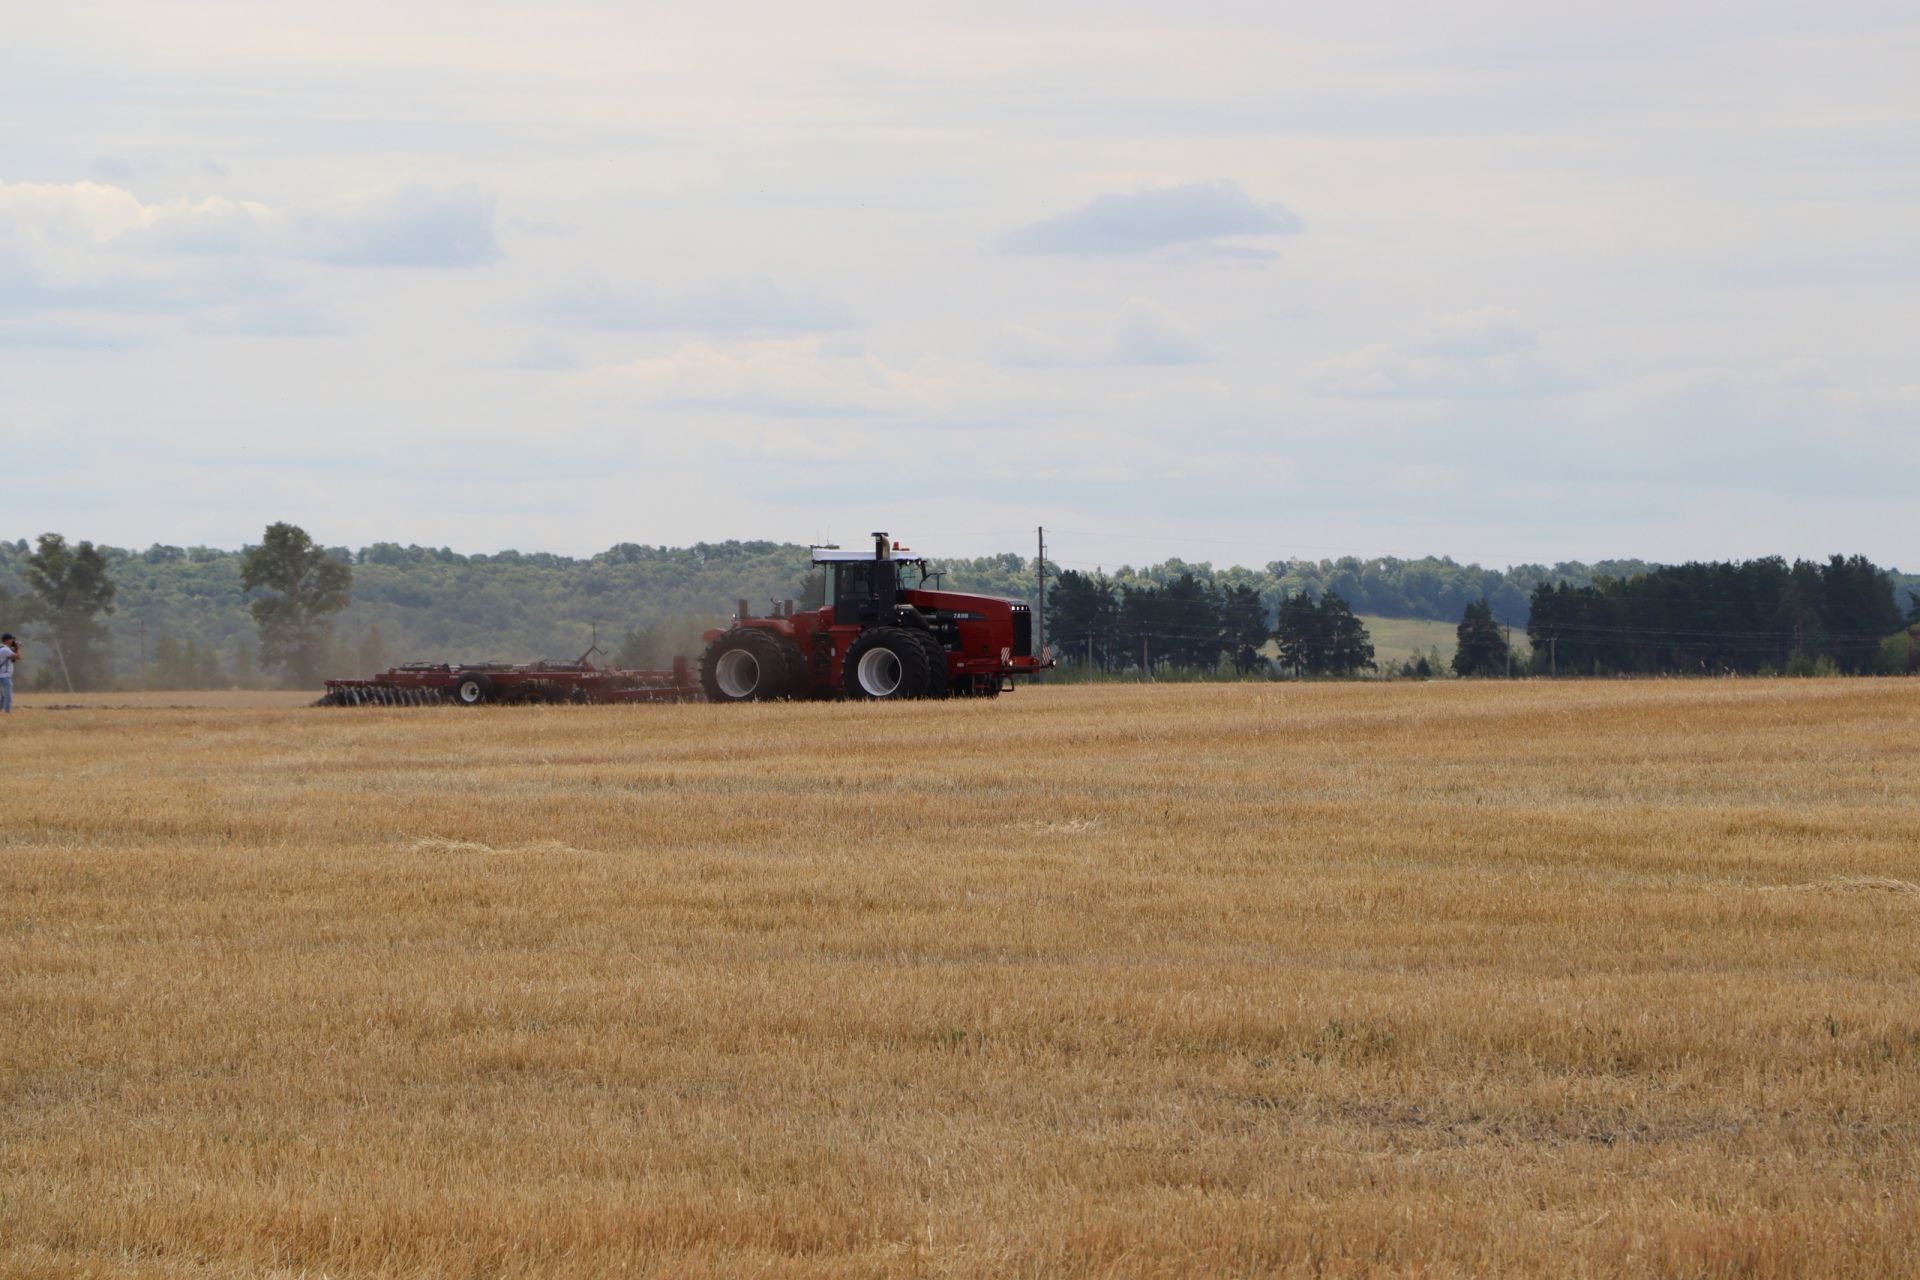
(850, 590)
(860, 590)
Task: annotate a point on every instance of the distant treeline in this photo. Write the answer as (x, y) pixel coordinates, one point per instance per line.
(1733, 618)
(1188, 622)
(1761, 615)
(180, 616)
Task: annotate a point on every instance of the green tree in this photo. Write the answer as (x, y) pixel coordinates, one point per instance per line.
(1243, 625)
(70, 590)
(309, 587)
(1322, 638)
(1297, 634)
(1083, 618)
(1482, 647)
(1348, 647)
(1191, 623)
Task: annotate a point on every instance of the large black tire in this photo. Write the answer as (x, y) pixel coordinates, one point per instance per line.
(751, 664)
(937, 682)
(885, 664)
(471, 688)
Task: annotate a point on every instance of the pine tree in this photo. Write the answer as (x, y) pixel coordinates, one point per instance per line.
(1348, 648)
(1296, 633)
(1482, 647)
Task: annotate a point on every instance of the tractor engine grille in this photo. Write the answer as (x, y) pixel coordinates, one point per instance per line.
(1022, 631)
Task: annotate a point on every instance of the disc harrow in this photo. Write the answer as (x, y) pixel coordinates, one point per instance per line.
(436, 684)
(358, 693)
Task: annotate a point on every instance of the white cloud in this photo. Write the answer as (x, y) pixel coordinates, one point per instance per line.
(1034, 346)
(544, 355)
(415, 224)
(1419, 479)
(750, 308)
(412, 225)
(273, 318)
(95, 247)
(1154, 218)
(793, 376)
(1148, 333)
(1489, 352)
(87, 245)
(42, 213)
(1143, 333)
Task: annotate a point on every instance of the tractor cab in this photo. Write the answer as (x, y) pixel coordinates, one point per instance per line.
(865, 587)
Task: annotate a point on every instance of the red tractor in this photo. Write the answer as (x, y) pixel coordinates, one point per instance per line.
(881, 633)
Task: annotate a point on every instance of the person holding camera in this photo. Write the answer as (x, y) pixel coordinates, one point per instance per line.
(9, 654)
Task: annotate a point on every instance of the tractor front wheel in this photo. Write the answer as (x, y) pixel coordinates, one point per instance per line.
(886, 664)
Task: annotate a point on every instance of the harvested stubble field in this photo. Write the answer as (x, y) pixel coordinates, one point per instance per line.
(1574, 979)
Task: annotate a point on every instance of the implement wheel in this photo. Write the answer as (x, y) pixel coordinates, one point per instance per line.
(751, 664)
(886, 664)
(471, 688)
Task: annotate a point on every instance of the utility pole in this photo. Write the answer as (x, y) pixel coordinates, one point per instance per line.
(1553, 655)
(1509, 651)
(1146, 668)
(1040, 601)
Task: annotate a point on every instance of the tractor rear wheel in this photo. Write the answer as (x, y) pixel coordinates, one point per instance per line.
(937, 681)
(471, 688)
(886, 664)
(750, 664)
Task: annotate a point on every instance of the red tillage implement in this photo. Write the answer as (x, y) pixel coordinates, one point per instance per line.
(430, 683)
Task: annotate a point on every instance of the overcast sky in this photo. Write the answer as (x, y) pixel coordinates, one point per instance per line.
(1237, 282)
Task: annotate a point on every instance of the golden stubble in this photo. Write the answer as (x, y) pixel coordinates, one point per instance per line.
(1572, 979)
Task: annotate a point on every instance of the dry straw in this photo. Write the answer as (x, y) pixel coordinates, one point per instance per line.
(1334, 980)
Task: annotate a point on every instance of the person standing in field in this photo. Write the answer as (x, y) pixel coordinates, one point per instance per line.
(9, 654)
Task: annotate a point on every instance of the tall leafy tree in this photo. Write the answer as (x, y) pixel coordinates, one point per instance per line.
(1482, 647)
(70, 590)
(307, 588)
